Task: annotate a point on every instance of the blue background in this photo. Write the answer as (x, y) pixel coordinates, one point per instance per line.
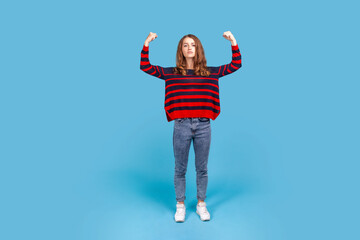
(86, 150)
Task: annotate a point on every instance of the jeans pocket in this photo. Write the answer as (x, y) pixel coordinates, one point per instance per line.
(179, 120)
(203, 119)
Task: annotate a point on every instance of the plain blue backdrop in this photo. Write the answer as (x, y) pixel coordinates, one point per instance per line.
(86, 150)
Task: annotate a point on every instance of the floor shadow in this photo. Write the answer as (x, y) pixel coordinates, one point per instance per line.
(152, 187)
(223, 192)
(159, 188)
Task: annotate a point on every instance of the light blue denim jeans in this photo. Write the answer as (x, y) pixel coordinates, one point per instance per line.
(186, 130)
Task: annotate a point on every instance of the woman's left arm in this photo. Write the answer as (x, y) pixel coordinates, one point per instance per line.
(235, 63)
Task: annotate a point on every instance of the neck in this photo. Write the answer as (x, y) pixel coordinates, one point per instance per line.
(190, 63)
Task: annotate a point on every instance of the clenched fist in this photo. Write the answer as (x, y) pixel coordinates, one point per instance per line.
(150, 38)
(228, 36)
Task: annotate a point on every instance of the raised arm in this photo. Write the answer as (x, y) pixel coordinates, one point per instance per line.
(145, 65)
(235, 63)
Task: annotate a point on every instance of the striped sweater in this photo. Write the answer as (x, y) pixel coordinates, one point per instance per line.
(191, 96)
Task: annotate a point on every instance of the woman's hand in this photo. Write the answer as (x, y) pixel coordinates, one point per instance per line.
(228, 36)
(150, 38)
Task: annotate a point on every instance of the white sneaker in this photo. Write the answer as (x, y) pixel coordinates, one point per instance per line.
(202, 211)
(180, 212)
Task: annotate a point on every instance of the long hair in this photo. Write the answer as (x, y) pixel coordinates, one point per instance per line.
(200, 67)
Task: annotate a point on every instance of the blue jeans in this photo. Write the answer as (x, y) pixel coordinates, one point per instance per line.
(186, 130)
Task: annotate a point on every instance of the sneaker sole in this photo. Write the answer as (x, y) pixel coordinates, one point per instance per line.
(179, 220)
(201, 218)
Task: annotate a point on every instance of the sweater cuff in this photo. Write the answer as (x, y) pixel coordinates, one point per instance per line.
(145, 48)
(236, 47)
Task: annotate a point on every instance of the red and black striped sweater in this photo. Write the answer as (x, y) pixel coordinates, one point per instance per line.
(191, 96)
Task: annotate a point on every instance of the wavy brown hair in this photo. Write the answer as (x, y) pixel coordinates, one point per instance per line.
(200, 67)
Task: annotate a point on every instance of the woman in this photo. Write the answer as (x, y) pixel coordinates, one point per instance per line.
(191, 99)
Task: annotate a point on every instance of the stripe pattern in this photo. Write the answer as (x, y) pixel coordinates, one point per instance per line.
(191, 95)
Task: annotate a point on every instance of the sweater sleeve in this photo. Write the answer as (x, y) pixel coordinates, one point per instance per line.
(234, 65)
(145, 65)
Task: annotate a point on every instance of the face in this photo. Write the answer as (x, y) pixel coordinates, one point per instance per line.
(188, 47)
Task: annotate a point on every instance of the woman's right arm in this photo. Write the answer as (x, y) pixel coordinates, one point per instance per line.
(145, 65)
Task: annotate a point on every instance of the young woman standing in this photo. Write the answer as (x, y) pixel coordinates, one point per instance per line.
(191, 100)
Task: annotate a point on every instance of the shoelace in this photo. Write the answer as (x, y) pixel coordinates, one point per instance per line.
(202, 210)
(180, 208)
